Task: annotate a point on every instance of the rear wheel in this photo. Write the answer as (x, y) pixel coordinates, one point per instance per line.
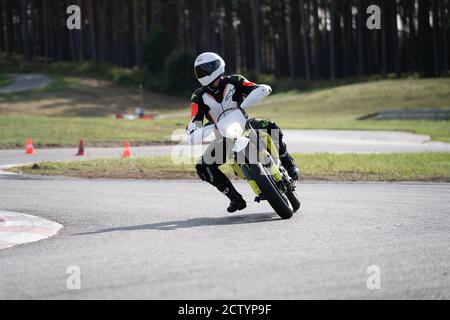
(276, 198)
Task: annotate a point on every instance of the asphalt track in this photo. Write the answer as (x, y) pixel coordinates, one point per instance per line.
(26, 81)
(173, 239)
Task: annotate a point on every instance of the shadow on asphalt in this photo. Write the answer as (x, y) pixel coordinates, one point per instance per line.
(195, 222)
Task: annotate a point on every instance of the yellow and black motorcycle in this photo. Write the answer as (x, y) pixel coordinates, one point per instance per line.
(256, 159)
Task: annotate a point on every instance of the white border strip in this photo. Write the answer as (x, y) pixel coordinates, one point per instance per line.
(19, 228)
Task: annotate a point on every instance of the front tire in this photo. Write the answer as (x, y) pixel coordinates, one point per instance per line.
(293, 199)
(276, 198)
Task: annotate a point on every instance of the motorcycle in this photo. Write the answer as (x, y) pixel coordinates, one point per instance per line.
(255, 159)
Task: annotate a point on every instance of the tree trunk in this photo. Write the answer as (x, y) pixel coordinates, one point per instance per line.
(290, 46)
(333, 40)
(393, 8)
(32, 31)
(435, 37)
(9, 32)
(230, 41)
(45, 28)
(76, 38)
(24, 28)
(256, 7)
(92, 37)
(137, 47)
(424, 34)
(2, 28)
(99, 16)
(410, 7)
(58, 26)
(144, 19)
(347, 49)
(445, 34)
(305, 42)
(317, 39)
(360, 31)
(156, 12)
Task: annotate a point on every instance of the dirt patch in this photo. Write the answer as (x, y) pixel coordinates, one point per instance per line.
(158, 175)
(191, 175)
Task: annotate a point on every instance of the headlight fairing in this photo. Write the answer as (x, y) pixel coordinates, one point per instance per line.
(234, 131)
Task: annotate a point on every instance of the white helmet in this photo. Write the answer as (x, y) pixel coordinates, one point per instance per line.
(208, 67)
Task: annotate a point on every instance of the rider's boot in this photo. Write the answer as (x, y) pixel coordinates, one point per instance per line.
(237, 202)
(288, 163)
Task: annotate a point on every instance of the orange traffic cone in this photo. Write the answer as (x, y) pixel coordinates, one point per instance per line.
(29, 149)
(126, 153)
(81, 148)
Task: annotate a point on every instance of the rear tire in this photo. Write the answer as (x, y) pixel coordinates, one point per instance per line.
(276, 198)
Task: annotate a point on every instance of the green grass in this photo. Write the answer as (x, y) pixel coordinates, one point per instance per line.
(5, 79)
(377, 167)
(64, 131)
(354, 100)
(83, 107)
(87, 97)
(437, 130)
(71, 108)
(338, 108)
(320, 166)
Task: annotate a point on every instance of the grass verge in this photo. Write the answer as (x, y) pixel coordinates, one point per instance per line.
(85, 97)
(80, 107)
(5, 79)
(98, 131)
(338, 108)
(320, 166)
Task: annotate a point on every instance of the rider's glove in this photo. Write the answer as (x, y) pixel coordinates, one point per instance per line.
(191, 127)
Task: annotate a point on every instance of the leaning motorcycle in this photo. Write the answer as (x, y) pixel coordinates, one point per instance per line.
(255, 158)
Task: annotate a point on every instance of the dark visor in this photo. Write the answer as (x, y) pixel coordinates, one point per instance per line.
(206, 69)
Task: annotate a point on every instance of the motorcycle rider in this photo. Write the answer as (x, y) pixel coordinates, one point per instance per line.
(218, 93)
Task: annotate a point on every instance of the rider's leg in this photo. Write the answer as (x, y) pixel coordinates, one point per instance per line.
(208, 170)
(277, 136)
(212, 174)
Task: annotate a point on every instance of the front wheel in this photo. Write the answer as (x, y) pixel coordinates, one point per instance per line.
(293, 199)
(276, 198)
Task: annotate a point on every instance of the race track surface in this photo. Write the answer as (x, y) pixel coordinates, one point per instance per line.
(173, 239)
(26, 81)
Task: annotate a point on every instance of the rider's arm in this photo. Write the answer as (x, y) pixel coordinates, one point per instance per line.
(258, 93)
(196, 119)
(198, 113)
(255, 92)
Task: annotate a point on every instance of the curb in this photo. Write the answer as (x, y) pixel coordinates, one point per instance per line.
(19, 228)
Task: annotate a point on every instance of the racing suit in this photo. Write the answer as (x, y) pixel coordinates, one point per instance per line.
(209, 103)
